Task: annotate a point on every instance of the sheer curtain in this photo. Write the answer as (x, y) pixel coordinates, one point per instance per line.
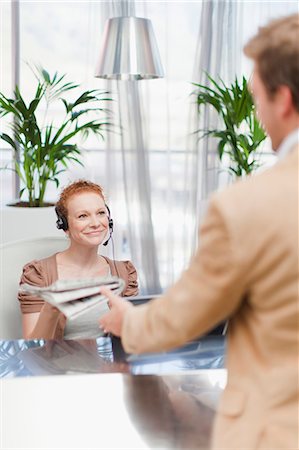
(134, 160)
(218, 55)
(163, 212)
(150, 153)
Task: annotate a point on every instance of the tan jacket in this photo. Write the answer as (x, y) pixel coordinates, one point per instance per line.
(246, 268)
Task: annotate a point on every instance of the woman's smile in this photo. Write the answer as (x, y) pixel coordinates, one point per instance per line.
(94, 232)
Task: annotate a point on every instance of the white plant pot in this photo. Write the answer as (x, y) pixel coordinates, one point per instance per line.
(27, 223)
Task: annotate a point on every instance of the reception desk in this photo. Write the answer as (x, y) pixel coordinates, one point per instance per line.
(91, 395)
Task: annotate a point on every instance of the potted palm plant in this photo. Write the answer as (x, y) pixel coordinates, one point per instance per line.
(240, 133)
(44, 147)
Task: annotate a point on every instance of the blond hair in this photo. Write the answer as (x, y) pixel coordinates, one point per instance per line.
(275, 49)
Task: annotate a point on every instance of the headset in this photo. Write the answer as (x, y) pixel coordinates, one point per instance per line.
(62, 223)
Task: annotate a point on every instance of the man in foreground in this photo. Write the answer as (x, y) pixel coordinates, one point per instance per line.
(245, 269)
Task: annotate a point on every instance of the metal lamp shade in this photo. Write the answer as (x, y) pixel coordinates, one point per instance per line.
(129, 50)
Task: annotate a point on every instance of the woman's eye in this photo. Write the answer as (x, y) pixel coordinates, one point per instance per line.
(82, 216)
(102, 213)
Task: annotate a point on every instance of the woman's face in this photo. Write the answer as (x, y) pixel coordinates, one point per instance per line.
(87, 219)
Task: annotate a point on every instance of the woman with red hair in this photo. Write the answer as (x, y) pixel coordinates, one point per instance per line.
(83, 215)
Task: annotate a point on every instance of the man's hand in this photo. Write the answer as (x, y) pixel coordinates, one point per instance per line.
(112, 321)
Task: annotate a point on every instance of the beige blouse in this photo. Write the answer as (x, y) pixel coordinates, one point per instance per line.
(51, 322)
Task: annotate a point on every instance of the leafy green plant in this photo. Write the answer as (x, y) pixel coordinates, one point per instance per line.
(44, 149)
(240, 134)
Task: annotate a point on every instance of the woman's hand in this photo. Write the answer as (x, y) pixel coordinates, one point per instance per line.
(112, 322)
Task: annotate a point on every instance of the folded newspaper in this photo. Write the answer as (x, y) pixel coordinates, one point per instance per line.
(80, 301)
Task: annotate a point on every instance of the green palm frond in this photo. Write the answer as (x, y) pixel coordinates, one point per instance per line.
(45, 148)
(54, 86)
(241, 133)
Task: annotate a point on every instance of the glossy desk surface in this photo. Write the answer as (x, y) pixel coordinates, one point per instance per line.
(90, 395)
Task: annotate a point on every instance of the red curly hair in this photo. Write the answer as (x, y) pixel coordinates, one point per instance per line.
(77, 187)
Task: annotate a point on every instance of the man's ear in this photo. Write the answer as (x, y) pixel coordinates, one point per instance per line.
(284, 100)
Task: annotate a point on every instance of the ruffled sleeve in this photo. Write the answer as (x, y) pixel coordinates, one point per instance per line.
(34, 275)
(126, 271)
(51, 322)
(131, 288)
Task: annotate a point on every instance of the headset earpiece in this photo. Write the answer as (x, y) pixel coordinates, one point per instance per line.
(110, 222)
(61, 222)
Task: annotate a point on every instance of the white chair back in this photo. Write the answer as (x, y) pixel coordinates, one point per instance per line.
(13, 256)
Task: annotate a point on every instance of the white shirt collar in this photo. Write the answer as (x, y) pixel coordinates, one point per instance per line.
(288, 143)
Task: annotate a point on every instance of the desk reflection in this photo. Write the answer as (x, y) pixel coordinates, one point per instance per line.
(103, 355)
(170, 405)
